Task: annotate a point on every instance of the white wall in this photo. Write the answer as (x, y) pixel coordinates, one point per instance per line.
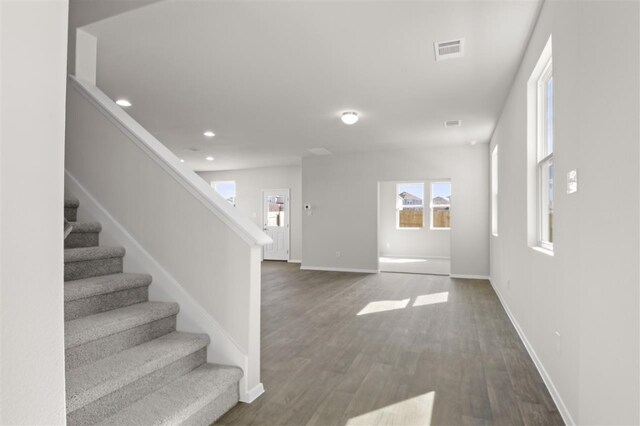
(84, 12)
(33, 40)
(343, 192)
(250, 183)
(588, 291)
(423, 242)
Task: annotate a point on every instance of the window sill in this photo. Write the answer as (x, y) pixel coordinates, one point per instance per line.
(543, 250)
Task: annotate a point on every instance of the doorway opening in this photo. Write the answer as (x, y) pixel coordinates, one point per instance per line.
(275, 219)
(414, 226)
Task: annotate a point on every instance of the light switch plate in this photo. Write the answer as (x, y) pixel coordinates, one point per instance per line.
(572, 181)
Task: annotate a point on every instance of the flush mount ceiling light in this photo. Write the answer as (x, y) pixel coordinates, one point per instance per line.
(319, 151)
(210, 158)
(209, 134)
(123, 103)
(182, 160)
(349, 117)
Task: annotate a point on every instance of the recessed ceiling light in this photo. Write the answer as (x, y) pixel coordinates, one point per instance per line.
(209, 134)
(123, 103)
(210, 158)
(349, 117)
(182, 160)
(453, 123)
(473, 142)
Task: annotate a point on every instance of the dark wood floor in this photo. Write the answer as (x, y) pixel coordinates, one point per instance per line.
(450, 357)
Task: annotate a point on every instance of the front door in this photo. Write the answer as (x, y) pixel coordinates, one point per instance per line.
(275, 212)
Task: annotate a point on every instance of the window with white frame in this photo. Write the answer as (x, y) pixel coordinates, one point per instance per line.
(494, 191)
(541, 135)
(227, 189)
(410, 205)
(440, 205)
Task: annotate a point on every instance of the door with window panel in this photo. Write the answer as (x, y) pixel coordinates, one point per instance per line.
(276, 223)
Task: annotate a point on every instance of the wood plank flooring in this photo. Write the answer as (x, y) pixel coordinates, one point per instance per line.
(393, 349)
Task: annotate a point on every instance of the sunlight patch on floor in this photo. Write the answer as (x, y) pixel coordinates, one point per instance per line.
(383, 306)
(430, 299)
(413, 411)
(415, 265)
(391, 305)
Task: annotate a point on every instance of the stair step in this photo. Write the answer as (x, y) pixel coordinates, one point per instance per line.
(83, 234)
(101, 389)
(126, 363)
(206, 392)
(71, 202)
(92, 253)
(71, 209)
(87, 262)
(82, 227)
(98, 336)
(93, 295)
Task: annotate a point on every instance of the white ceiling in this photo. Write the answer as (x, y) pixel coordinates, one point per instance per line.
(271, 78)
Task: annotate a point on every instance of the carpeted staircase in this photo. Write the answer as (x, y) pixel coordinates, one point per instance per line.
(126, 363)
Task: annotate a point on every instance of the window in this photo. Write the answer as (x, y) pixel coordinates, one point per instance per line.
(441, 205)
(227, 189)
(541, 140)
(494, 191)
(410, 205)
(545, 157)
(276, 210)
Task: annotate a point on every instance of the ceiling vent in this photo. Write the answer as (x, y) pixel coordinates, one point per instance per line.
(452, 123)
(449, 49)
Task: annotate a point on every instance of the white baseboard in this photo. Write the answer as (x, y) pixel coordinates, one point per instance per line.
(555, 395)
(192, 316)
(294, 261)
(332, 269)
(469, 277)
(253, 394)
(399, 256)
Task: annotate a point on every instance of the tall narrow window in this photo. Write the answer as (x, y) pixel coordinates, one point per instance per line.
(541, 149)
(227, 189)
(410, 205)
(545, 157)
(441, 205)
(494, 191)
